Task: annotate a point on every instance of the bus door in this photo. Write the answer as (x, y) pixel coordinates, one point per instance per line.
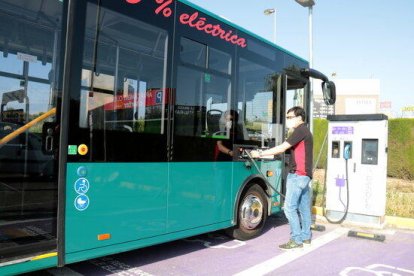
(200, 187)
(116, 186)
(29, 126)
(296, 93)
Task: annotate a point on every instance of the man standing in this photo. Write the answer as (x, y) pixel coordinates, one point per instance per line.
(300, 174)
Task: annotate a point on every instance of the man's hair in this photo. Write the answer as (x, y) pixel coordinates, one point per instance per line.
(298, 111)
(234, 114)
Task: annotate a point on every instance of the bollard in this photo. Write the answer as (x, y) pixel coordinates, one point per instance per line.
(369, 236)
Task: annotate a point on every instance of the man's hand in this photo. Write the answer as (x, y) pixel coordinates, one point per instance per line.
(255, 154)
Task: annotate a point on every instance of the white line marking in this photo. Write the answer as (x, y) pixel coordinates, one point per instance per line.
(285, 258)
(224, 246)
(355, 270)
(387, 270)
(374, 266)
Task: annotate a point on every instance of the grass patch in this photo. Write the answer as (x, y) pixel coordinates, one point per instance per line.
(317, 194)
(400, 198)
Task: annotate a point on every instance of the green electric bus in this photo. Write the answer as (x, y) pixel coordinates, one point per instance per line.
(112, 113)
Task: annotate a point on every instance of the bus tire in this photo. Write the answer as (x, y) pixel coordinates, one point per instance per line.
(251, 214)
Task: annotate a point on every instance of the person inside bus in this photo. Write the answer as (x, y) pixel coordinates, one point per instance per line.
(298, 197)
(224, 148)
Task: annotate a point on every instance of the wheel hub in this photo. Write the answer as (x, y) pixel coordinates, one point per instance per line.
(251, 212)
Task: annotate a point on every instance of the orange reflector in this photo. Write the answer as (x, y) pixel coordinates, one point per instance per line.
(102, 237)
(83, 149)
(269, 173)
(276, 203)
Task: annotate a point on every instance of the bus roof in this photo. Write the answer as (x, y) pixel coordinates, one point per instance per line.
(187, 2)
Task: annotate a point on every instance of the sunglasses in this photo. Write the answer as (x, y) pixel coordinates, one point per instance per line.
(290, 117)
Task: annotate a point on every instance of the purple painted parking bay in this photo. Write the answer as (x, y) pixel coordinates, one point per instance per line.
(331, 253)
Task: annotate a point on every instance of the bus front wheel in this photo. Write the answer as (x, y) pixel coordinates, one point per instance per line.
(251, 214)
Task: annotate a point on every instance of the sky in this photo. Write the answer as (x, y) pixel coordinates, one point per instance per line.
(356, 39)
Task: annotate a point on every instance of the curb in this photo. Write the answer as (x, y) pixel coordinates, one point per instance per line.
(398, 222)
(390, 221)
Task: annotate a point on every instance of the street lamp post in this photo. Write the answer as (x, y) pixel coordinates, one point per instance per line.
(269, 12)
(309, 4)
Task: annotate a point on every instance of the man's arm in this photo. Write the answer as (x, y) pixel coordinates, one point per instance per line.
(224, 149)
(273, 151)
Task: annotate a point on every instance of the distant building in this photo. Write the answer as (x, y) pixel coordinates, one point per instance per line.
(353, 96)
(407, 112)
(386, 108)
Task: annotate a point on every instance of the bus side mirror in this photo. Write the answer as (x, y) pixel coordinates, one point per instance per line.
(328, 87)
(329, 92)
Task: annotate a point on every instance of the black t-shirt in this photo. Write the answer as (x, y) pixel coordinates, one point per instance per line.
(302, 151)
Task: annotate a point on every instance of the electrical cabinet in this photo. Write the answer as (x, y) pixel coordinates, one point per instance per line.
(357, 154)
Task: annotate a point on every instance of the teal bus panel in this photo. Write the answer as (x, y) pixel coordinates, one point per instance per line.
(135, 205)
(275, 181)
(199, 194)
(128, 201)
(242, 170)
(134, 202)
(28, 266)
(123, 247)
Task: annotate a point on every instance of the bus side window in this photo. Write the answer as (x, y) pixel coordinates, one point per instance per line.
(203, 94)
(257, 102)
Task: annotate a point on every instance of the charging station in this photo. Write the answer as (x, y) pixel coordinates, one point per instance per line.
(356, 174)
